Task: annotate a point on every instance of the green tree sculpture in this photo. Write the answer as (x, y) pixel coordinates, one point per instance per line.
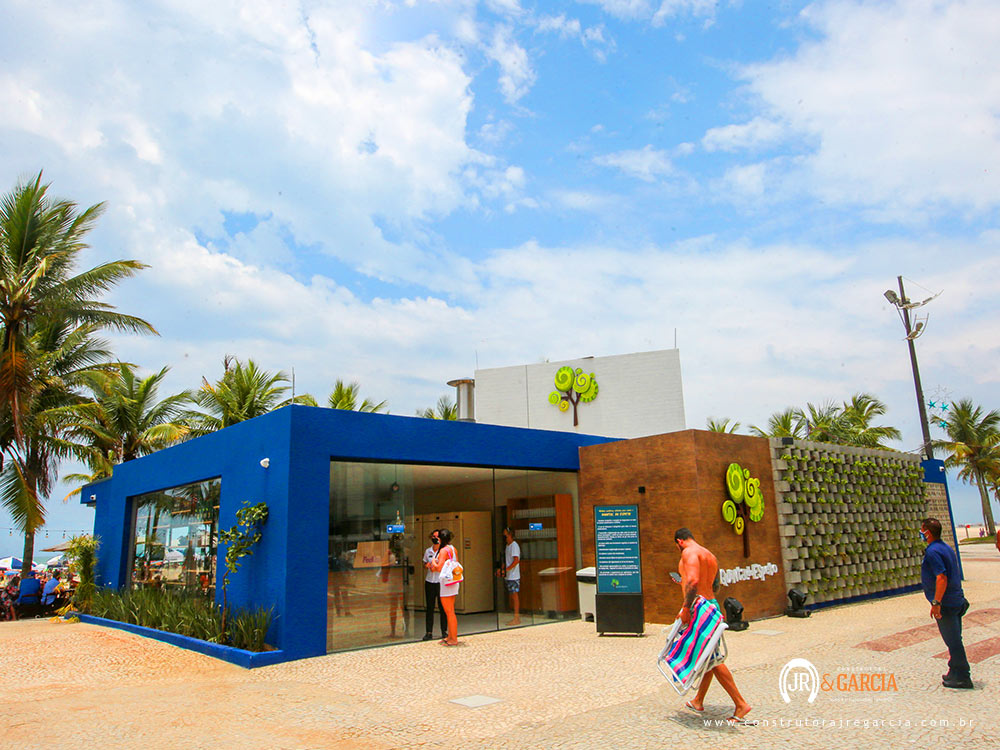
(746, 502)
(572, 387)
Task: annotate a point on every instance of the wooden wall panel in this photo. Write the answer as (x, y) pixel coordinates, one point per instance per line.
(684, 478)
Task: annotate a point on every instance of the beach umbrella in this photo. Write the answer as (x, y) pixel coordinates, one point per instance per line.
(10, 563)
(61, 547)
(57, 561)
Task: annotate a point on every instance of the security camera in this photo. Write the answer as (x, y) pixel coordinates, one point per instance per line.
(265, 462)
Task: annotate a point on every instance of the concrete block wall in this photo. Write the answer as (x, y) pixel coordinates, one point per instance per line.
(848, 518)
(937, 507)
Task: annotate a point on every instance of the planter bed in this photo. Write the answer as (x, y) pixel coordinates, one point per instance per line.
(237, 656)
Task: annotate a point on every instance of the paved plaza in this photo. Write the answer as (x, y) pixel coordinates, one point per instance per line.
(550, 686)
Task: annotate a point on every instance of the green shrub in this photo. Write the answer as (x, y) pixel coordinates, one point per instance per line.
(249, 628)
(185, 614)
(82, 556)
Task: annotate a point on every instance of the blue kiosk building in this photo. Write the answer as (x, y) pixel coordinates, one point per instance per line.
(351, 498)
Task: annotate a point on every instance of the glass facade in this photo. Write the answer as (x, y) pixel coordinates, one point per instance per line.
(175, 536)
(381, 518)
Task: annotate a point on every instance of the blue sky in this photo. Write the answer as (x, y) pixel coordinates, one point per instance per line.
(395, 191)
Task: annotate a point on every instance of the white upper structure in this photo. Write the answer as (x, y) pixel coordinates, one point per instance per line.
(636, 395)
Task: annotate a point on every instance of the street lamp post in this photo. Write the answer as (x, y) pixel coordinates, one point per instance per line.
(903, 305)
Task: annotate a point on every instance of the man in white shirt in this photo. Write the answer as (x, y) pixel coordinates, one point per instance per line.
(432, 589)
(511, 573)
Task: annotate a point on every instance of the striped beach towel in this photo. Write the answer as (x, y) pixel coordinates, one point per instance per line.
(684, 657)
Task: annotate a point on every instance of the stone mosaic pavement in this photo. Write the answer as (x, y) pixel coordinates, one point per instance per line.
(559, 686)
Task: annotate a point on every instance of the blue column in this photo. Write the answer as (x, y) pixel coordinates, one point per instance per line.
(934, 474)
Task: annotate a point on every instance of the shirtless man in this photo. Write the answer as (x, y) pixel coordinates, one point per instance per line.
(699, 571)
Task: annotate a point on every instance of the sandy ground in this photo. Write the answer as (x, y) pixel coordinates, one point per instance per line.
(559, 686)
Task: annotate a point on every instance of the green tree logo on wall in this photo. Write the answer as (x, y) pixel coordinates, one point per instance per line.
(745, 502)
(572, 387)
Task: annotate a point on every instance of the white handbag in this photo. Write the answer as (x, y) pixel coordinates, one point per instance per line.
(451, 571)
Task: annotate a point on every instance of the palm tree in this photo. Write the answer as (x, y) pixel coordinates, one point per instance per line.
(59, 357)
(858, 414)
(243, 392)
(123, 421)
(787, 423)
(973, 446)
(41, 239)
(824, 424)
(446, 409)
(722, 425)
(346, 397)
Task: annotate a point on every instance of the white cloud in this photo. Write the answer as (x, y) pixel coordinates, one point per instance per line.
(506, 182)
(747, 181)
(466, 30)
(592, 37)
(582, 200)
(528, 203)
(516, 74)
(697, 8)
(496, 132)
(898, 103)
(286, 112)
(509, 7)
(624, 9)
(563, 26)
(657, 13)
(646, 164)
(755, 133)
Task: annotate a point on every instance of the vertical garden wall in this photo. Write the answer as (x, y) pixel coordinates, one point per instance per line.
(848, 518)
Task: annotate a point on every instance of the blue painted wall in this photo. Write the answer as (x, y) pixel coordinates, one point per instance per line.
(934, 472)
(289, 567)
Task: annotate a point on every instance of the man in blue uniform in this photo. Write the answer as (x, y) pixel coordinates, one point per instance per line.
(31, 589)
(942, 586)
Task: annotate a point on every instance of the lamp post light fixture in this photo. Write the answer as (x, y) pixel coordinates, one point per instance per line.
(903, 307)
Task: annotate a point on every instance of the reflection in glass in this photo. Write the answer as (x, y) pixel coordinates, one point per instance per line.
(381, 519)
(370, 576)
(174, 544)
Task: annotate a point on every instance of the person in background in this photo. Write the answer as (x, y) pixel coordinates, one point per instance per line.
(511, 573)
(8, 595)
(432, 590)
(448, 591)
(942, 586)
(52, 589)
(30, 591)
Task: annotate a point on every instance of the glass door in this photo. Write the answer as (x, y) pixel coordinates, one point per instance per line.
(371, 575)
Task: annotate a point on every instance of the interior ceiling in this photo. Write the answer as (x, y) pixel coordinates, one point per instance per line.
(428, 476)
